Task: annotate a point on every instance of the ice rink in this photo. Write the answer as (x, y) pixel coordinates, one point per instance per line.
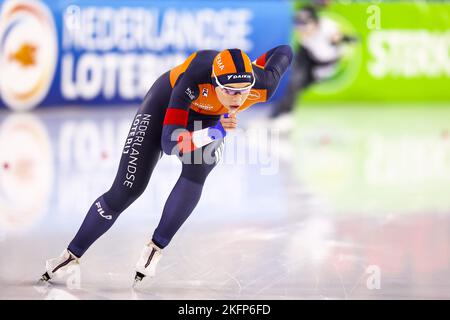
(353, 204)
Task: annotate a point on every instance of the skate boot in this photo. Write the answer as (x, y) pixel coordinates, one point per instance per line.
(146, 265)
(58, 264)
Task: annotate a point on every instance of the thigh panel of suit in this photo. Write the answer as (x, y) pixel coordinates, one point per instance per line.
(142, 148)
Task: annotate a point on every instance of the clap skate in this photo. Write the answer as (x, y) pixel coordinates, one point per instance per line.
(146, 265)
(58, 264)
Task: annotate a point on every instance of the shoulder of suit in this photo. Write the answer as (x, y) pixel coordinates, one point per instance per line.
(199, 70)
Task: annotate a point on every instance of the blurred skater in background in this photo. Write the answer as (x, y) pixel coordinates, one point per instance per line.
(319, 48)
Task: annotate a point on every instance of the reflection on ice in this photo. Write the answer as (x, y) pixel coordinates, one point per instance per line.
(359, 209)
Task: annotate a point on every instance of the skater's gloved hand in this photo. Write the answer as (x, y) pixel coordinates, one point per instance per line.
(229, 121)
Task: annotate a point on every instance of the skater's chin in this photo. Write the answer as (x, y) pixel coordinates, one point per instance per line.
(233, 108)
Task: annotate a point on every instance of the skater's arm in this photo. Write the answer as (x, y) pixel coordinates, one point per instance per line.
(275, 63)
(175, 139)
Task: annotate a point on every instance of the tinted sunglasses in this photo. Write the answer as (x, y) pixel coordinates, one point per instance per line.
(234, 91)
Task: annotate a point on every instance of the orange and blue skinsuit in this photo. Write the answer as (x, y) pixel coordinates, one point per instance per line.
(165, 122)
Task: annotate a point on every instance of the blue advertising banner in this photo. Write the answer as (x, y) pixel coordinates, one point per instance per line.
(56, 53)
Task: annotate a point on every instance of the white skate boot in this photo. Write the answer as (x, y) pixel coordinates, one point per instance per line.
(58, 264)
(146, 265)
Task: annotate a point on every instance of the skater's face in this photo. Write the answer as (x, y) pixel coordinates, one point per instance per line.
(233, 99)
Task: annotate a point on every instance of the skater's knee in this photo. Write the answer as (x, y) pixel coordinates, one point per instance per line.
(197, 172)
(119, 200)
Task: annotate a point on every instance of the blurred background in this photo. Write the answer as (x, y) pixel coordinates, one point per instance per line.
(345, 197)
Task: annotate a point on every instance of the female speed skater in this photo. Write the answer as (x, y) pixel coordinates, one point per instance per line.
(209, 89)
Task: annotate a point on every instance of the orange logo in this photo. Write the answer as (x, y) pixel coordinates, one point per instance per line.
(25, 55)
(28, 53)
(254, 95)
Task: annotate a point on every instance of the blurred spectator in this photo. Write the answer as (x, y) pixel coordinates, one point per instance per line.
(319, 48)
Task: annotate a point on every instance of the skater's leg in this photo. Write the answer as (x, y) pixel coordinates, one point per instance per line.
(141, 152)
(180, 204)
(184, 197)
(107, 208)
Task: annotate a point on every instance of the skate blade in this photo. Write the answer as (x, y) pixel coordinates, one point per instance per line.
(43, 285)
(137, 279)
(44, 278)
